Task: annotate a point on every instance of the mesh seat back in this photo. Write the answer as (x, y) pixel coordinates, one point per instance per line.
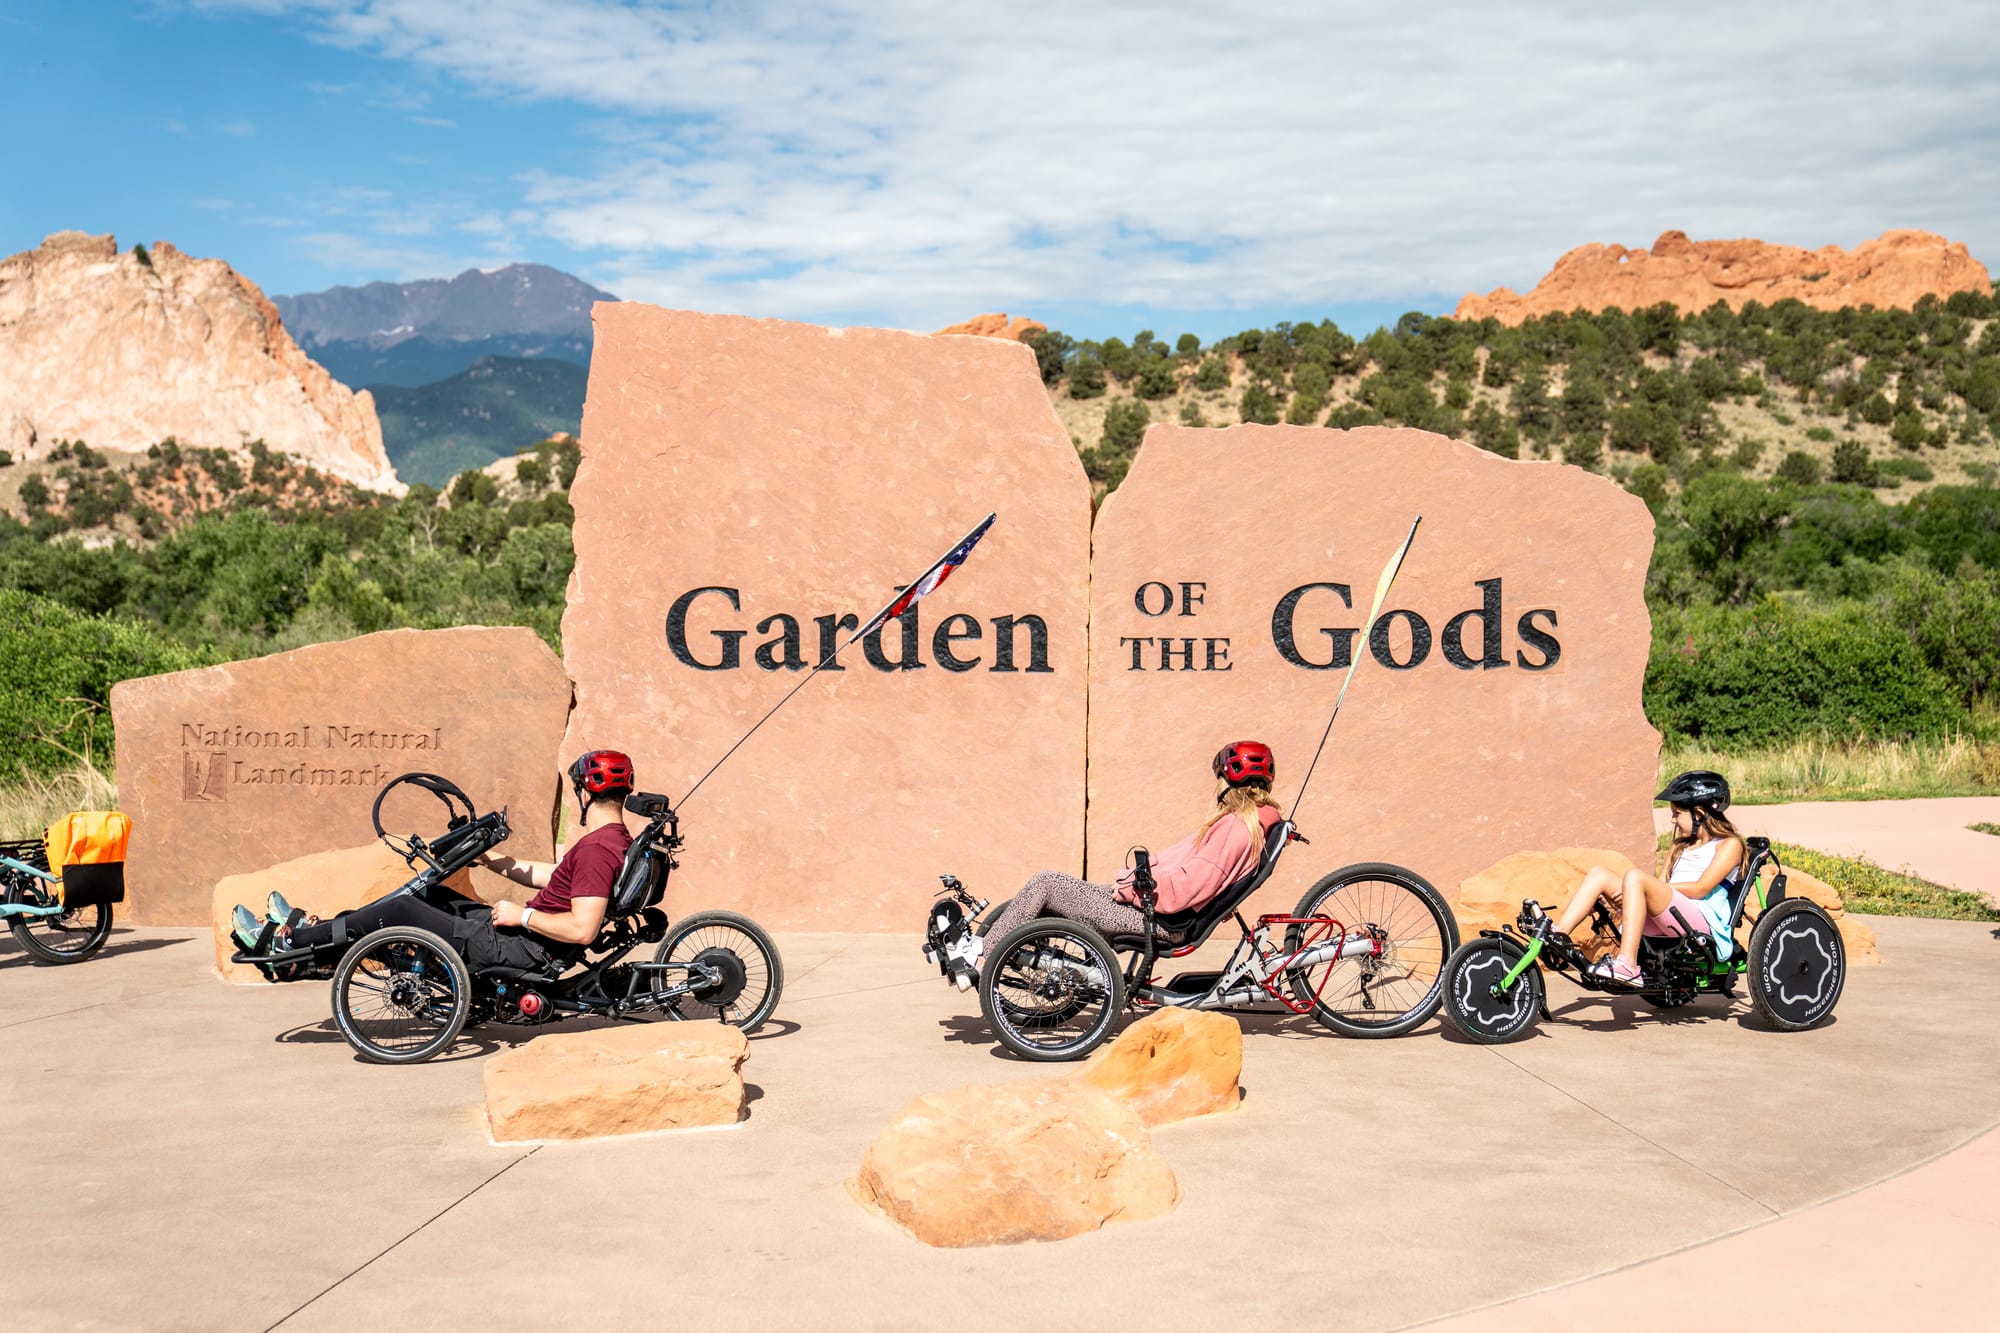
(641, 881)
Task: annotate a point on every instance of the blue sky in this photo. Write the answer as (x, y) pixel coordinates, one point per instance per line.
(1175, 166)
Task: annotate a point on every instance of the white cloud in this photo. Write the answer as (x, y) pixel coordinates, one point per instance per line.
(239, 128)
(923, 161)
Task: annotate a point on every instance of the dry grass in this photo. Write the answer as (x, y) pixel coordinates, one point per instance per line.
(34, 801)
(1830, 770)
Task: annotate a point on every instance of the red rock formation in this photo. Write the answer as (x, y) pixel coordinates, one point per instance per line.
(1895, 269)
(997, 326)
(121, 353)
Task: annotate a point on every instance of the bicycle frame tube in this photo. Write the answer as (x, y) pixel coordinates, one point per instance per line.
(1527, 961)
(29, 909)
(36, 871)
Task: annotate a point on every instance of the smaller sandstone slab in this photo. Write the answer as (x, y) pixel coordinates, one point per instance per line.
(1171, 1065)
(1001, 1164)
(617, 1080)
(321, 885)
(1859, 939)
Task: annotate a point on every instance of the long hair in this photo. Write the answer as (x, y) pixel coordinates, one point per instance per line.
(1243, 802)
(1706, 827)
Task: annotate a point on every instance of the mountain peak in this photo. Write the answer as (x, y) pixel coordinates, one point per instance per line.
(517, 300)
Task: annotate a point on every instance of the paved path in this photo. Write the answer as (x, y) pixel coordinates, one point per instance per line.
(1928, 838)
(201, 1156)
(1925, 1241)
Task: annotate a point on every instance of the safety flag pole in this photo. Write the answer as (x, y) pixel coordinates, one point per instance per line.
(907, 596)
(1382, 586)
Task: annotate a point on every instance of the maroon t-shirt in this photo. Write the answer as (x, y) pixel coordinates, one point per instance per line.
(588, 870)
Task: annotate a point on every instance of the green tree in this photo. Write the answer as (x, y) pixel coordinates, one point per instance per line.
(1213, 375)
(1853, 464)
(1052, 350)
(1259, 406)
(1125, 425)
(1157, 379)
(1799, 468)
(1188, 346)
(1086, 378)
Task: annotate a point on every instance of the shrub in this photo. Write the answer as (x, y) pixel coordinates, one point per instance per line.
(1853, 464)
(1259, 406)
(1820, 433)
(1649, 483)
(1157, 379)
(1955, 625)
(1909, 469)
(6, 458)
(1748, 453)
(1125, 425)
(55, 665)
(1909, 432)
(1773, 673)
(1213, 375)
(1191, 414)
(1799, 468)
(1086, 378)
(34, 493)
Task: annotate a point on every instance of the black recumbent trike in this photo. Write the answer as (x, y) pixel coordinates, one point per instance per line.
(402, 994)
(1795, 963)
(1363, 953)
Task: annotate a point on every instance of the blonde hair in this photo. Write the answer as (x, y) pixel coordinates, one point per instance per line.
(1243, 802)
(1711, 826)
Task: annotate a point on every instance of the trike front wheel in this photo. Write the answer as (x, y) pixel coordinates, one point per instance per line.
(69, 936)
(1051, 989)
(401, 995)
(1474, 1002)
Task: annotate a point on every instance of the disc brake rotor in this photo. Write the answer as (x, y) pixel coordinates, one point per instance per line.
(730, 977)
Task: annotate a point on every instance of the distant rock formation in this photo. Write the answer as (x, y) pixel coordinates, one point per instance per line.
(1896, 269)
(997, 326)
(121, 352)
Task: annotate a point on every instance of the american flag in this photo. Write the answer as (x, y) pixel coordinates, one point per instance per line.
(931, 579)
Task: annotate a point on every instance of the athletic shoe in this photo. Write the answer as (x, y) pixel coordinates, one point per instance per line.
(962, 975)
(968, 948)
(276, 909)
(247, 929)
(1616, 969)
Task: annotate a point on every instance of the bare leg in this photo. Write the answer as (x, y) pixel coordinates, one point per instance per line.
(1644, 896)
(1599, 883)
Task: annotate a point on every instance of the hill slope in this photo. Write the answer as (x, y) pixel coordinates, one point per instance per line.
(488, 411)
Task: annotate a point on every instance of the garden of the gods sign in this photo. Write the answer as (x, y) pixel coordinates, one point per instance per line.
(751, 489)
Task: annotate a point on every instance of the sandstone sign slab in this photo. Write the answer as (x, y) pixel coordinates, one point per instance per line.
(1000, 1164)
(232, 768)
(617, 1080)
(1497, 704)
(320, 885)
(750, 492)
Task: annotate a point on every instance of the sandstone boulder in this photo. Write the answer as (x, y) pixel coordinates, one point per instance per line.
(1004, 1163)
(1497, 701)
(750, 491)
(617, 1080)
(998, 326)
(122, 353)
(320, 884)
(1173, 1064)
(231, 768)
(1896, 269)
(1493, 897)
(1859, 939)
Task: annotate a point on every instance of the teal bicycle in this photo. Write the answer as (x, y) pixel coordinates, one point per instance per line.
(56, 921)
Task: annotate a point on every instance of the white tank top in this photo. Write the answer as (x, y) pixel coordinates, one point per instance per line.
(1692, 865)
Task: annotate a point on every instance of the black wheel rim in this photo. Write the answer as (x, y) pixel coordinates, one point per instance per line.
(1801, 968)
(1052, 991)
(742, 983)
(400, 996)
(1478, 973)
(1370, 990)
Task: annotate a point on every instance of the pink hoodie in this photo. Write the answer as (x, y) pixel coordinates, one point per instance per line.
(1188, 874)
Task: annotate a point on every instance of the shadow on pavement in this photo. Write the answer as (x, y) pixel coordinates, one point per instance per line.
(12, 954)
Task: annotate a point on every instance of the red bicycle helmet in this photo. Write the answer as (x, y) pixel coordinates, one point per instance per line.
(1242, 762)
(600, 771)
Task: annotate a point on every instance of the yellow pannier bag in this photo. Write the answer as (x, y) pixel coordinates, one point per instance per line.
(87, 849)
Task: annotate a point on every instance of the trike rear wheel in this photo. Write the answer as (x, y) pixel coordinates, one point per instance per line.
(1052, 989)
(747, 974)
(1471, 977)
(1797, 966)
(401, 995)
(69, 936)
(1375, 994)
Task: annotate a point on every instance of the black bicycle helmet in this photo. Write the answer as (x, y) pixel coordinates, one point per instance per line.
(1698, 788)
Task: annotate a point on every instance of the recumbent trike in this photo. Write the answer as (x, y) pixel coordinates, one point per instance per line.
(402, 994)
(61, 913)
(1795, 963)
(1363, 953)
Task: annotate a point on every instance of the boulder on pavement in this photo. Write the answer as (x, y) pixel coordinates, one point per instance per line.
(617, 1080)
(1004, 1163)
(1859, 939)
(1493, 897)
(320, 885)
(1171, 1065)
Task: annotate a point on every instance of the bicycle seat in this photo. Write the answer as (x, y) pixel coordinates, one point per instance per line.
(1174, 929)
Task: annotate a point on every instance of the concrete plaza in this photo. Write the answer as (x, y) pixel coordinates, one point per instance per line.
(189, 1155)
